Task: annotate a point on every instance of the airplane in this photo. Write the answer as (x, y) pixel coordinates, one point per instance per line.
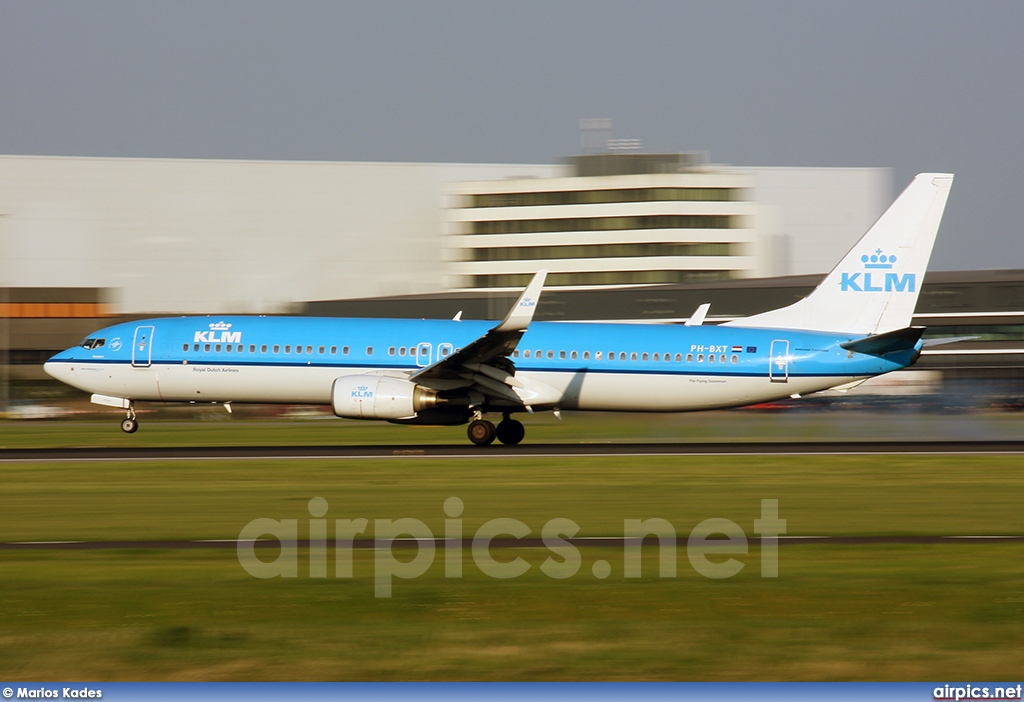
(855, 325)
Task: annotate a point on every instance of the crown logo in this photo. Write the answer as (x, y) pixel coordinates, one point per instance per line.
(220, 326)
(878, 260)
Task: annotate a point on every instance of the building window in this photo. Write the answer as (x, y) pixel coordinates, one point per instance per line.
(609, 196)
(649, 277)
(602, 224)
(538, 253)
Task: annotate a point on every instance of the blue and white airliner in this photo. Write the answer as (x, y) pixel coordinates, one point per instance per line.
(853, 326)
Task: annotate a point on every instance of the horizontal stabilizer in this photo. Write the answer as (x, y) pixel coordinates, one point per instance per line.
(889, 342)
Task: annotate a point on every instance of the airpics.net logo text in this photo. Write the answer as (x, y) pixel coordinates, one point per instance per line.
(710, 546)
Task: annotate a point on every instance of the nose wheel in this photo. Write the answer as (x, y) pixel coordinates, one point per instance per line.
(130, 425)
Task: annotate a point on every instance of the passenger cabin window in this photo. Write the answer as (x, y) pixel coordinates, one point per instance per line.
(184, 347)
(195, 347)
(561, 354)
(263, 348)
(401, 351)
(574, 355)
(700, 358)
(309, 350)
(597, 356)
(334, 350)
(689, 358)
(321, 351)
(252, 348)
(551, 354)
(644, 357)
(206, 347)
(287, 348)
(526, 354)
(586, 355)
(391, 351)
(369, 350)
(679, 357)
(735, 358)
(657, 357)
(344, 350)
(277, 348)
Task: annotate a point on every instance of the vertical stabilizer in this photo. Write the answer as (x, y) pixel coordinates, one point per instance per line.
(874, 289)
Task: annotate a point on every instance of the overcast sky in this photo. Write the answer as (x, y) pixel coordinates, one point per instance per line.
(914, 86)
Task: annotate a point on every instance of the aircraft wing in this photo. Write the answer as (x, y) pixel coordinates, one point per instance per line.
(484, 363)
(498, 343)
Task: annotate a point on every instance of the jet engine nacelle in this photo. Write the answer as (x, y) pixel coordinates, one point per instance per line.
(379, 397)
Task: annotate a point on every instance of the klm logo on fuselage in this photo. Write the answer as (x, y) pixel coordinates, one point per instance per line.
(219, 333)
(873, 279)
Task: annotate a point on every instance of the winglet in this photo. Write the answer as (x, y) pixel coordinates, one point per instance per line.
(697, 318)
(521, 314)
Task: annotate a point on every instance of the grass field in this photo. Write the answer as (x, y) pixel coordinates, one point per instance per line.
(836, 611)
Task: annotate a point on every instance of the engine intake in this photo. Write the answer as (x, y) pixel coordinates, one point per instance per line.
(379, 397)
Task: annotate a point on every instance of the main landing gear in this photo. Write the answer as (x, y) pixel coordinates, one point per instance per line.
(509, 431)
(130, 425)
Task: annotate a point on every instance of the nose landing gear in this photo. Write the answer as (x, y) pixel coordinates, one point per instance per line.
(130, 425)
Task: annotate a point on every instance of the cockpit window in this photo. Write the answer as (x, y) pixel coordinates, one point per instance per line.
(93, 343)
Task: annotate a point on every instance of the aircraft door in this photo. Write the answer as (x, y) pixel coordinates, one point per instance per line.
(423, 354)
(142, 347)
(778, 363)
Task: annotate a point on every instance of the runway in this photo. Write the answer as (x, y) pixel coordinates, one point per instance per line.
(584, 542)
(457, 451)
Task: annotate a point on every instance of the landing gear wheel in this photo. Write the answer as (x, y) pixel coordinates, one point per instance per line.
(510, 431)
(481, 432)
(129, 425)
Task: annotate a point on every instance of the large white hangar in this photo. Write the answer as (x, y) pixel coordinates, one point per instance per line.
(196, 236)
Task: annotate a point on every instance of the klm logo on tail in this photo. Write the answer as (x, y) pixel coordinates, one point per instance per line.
(862, 281)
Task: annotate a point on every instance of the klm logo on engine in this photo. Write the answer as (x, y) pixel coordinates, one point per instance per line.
(873, 279)
(219, 333)
(362, 392)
